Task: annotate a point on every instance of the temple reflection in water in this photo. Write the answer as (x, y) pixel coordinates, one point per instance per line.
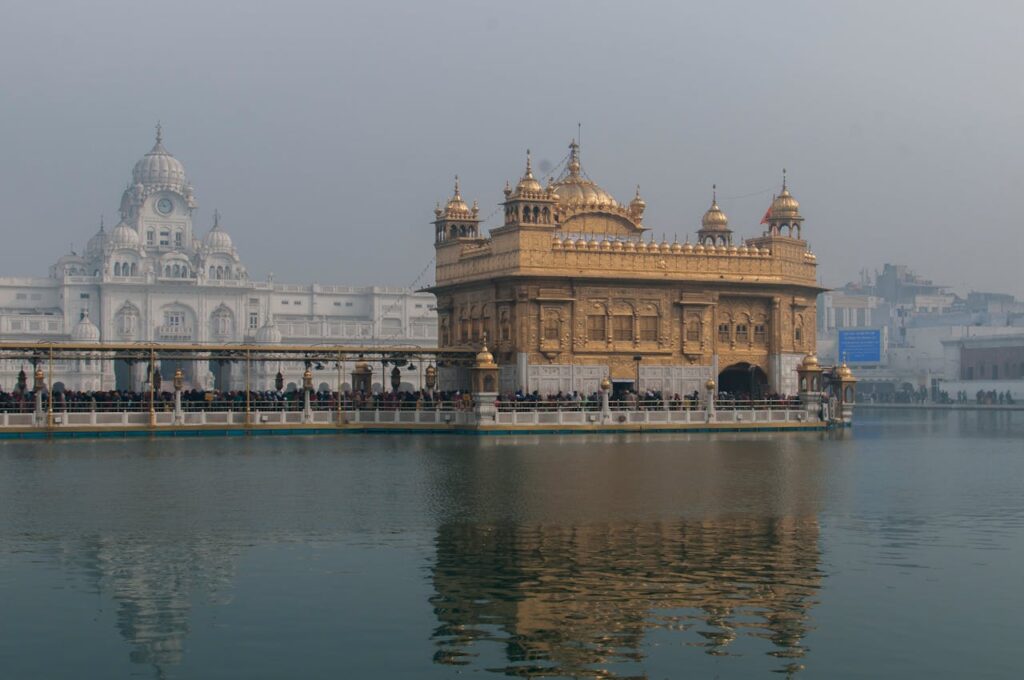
(563, 601)
(152, 584)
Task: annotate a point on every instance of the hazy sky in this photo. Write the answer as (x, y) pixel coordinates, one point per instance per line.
(325, 131)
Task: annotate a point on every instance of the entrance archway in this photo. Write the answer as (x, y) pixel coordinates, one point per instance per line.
(744, 381)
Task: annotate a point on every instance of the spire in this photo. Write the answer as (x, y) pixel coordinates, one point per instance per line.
(216, 219)
(574, 158)
(714, 194)
(783, 179)
(101, 222)
(159, 133)
(457, 195)
(529, 165)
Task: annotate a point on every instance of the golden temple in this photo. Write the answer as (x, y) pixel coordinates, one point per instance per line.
(569, 290)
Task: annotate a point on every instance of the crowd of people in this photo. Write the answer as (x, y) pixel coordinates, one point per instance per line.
(24, 401)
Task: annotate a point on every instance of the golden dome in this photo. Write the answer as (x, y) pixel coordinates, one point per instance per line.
(631, 246)
(456, 207)
(699, 249)
(606, 384)
(714, 218)
(576, 191)
(528, 184)
(556, 243)
(844, 371)
(810, 362)
(484, 357)
(676, 247)
(785, 206)
(688, 247)
(637, 205)
(618, 246)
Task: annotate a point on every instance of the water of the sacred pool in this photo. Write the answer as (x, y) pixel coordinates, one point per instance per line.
(893, 550)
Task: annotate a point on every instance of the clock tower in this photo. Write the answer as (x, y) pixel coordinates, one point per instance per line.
(159, 202)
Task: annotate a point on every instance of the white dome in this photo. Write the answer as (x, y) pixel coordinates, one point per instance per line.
(159, 167)
(218, 239)
(97, 242)
(268, 333)
(124, 236)
(85, 330)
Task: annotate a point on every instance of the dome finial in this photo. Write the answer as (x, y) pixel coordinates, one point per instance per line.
(574, 158)
(457, 194)
(216, 218)
(783, 179)
(159, 133)
(714, 193)
(529, 164)
(101, 221)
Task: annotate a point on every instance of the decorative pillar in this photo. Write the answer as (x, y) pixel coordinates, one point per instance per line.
(606, 409)
(485, 385)
(38, 386)
(709, 403)
(179, 383)
(845, 386)
(307, 388)
(809, 386)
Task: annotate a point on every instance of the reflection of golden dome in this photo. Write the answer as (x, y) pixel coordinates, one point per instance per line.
(575, 190)
(714, 218)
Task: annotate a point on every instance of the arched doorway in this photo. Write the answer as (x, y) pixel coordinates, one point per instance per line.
(744, 381)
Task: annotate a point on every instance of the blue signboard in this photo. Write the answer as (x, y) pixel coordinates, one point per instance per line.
(860, 346)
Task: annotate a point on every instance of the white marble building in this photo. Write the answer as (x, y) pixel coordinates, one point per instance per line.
(151, 278)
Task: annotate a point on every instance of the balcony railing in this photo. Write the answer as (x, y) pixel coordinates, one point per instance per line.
(174, 332)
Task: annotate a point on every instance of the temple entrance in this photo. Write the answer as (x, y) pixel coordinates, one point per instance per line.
(743, 381)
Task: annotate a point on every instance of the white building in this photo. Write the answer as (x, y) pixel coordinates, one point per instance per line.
(151, 278)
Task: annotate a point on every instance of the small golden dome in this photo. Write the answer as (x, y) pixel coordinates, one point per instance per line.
(784, 206)
(810, 362)
(676, 247)
(637, 205)
(665, 245)
(733, 250)
(744, 250)
(593, 244)
(844, 371)
(699, 249)
(605, 244)
(631, 246)
(581, 244)
(688, 248)
(714, 218)
(362, 367)
(709, 385)
(484, 357)
(556, 243)
(606, 384)
(618, 246)
(457, 207)
(528, 184)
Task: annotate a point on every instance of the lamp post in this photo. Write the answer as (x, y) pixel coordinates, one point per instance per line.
(638, 358)
(179, 383)
(606, 409)
(307, 388)
(431, 379)
(38, 385)
(396, 379)
(710, 403)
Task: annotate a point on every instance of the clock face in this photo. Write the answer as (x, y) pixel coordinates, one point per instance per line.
(164, 206)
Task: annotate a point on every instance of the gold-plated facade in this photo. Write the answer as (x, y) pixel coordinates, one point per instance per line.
(571, 290)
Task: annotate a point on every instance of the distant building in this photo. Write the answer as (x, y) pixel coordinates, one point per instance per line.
(986, 364)
(570, 290)
(151, 278)
(917, 320)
